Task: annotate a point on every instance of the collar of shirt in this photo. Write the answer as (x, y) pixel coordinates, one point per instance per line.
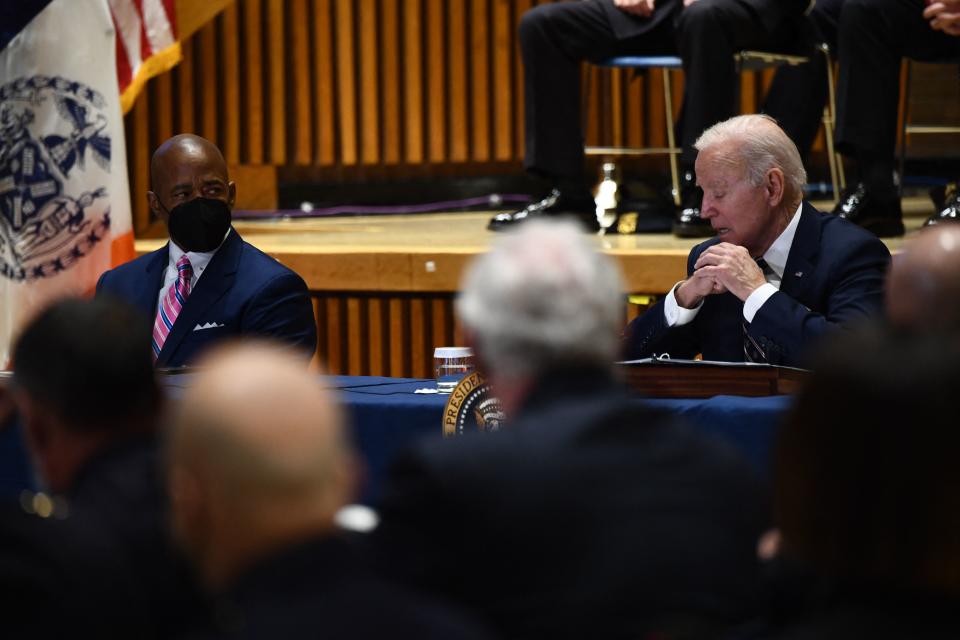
(198, 261)
(776, 255)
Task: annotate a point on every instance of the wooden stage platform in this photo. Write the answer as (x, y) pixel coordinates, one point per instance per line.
(383, 286)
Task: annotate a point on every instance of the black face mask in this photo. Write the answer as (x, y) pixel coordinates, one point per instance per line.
(199, 225)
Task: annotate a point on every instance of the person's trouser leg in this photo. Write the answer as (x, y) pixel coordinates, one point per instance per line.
(554, 40)
(709, 33)
(798, 94)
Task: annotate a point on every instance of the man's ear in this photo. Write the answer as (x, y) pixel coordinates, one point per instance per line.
(775, 186)
(155, 208)
(231, 193)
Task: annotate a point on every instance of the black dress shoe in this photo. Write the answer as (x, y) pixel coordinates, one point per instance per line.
(688, 223)
(950, 212)
(556, 205)
(882, 216)
(941, 193)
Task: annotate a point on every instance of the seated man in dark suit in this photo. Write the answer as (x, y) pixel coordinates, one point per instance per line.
(90, 408)
(556, 37)
(590, 515)
(778, 275)
(875, 36)
(259, 467)
(207, 284)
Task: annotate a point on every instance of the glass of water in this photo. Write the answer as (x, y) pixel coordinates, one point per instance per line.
(451, 365)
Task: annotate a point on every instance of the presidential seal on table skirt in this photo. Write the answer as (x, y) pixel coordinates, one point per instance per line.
(472, 407)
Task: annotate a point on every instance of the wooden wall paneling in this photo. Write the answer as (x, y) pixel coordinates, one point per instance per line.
(413, 83)
(324, 88)
(748, 91)
(591, 104)
(398, 336)
(457, 79)
(480, 94)
(320, 315)
(617, 112)
(186, 95)
(376, 336)
(677, 83)
(634, 110)
(766, 79)
(441, 309)
(229, 23)
(253, 115)
(656, 118)
(356, 332)
(390, 64)
(208, 73)
(346, 89)
(276, 72)
(298, 65)
(369, 82)
(503, 104)
(138, 154)
(419, 330)
(458, 335)
(436, 82)
(335, 352)
(318, 321)
(160, 99)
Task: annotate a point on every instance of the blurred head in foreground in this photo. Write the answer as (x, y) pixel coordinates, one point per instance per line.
(543, 298)
(867, 482)
(83, 381)
(258, 459)
(923, 286)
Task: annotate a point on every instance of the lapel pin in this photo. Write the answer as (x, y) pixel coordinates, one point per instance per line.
(799, 274)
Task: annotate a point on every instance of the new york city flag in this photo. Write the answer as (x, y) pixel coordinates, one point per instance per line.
(68, 71)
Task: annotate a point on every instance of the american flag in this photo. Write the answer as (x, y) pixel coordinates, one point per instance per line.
(146, 43)
(69, 69)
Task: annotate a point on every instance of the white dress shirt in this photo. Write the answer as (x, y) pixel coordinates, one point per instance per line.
(198, 261)
(776, 259)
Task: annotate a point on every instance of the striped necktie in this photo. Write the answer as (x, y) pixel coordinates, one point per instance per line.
(751, 350)
(171, 305)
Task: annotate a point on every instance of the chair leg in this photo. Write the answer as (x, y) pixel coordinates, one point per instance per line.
(837, 177)
(671, 142)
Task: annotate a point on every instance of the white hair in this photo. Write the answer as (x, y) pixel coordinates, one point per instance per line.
(760, 144)
(543, 297)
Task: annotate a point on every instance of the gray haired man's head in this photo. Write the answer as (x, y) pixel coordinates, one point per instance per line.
(542, 298)
(758, 144)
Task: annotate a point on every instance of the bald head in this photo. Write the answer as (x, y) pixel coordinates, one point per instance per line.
(923, 286)
(185, 167)
(257, 458)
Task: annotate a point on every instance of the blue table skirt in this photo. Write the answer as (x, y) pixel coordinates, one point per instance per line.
(386, 415)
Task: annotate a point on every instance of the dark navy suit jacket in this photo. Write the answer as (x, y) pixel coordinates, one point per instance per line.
(592, 516)
(243, 291)
(834, 275)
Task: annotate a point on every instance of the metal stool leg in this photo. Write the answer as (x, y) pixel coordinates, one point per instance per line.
(837, 177)
(671, 143)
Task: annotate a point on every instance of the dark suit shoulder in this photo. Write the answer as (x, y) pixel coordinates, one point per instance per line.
(257, 265)
(840, 235)
(133, 268)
